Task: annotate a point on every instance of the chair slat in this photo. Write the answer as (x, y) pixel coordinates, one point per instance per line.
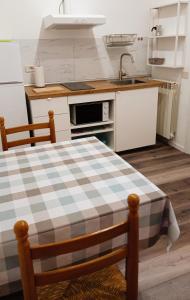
(29, 141)
(76, 271)
(27, 128)
(3, 134)
(79, 243)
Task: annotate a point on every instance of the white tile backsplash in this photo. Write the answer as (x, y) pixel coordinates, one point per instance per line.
(75, 59)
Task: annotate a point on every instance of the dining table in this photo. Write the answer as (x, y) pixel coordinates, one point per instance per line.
(68, 189)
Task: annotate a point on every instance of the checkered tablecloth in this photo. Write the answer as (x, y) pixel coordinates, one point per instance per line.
(67, 189)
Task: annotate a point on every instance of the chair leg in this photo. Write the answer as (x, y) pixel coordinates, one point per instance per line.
(3, 134)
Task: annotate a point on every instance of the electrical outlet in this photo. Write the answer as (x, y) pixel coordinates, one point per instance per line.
(29, 69)
(185, 75)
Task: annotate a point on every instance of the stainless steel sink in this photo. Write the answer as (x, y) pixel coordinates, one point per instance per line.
(126, 81)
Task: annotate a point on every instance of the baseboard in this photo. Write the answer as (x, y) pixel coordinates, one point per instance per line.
(170, 142)
(177, 146)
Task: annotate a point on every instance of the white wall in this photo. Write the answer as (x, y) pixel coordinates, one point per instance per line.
(22, 19)
(69, 55)
(131, 16)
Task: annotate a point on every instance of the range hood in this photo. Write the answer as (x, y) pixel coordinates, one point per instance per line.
(66, 21)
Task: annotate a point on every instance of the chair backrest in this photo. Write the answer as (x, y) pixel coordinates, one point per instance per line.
(31, 127)
(27, 253)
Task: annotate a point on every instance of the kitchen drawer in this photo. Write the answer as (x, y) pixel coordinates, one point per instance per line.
(61, 136)
(62, 122)
(91, 98)
(41, 107)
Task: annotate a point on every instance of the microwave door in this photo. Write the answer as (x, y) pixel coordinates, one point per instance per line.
(88, 113)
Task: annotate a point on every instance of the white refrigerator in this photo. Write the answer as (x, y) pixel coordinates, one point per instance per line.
(12, 94)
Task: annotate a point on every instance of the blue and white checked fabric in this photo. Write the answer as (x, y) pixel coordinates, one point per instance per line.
(68, 189)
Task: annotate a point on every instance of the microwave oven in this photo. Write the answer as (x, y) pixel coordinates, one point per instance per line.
(90, 112)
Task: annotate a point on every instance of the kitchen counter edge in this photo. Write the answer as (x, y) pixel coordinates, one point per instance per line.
(100, 86)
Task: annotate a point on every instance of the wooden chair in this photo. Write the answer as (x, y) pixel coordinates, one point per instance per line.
(52, 285)
(7, 131)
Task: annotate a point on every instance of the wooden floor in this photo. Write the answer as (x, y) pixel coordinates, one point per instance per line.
(160, 273)
(169, 169)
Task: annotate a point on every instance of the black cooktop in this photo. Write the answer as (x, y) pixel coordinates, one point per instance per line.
(77, 86)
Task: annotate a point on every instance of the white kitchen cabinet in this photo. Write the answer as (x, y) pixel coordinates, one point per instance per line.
(132, 123)
(39, 113)
(103, 130)
(62, 121)
(64, 135)
(91, 98)
(40, 107)
(61, 136)
(136, 117)
(62, 127)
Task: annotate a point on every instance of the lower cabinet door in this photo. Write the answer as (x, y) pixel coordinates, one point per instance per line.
(136, 117)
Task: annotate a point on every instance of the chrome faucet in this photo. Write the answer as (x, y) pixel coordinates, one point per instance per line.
(121, 73)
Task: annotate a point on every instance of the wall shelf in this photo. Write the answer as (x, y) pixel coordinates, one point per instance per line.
(91, 125)
(170, 4)
(167, 36)
(120, 40)
(166, 66)
(92, 132)
(170, 45)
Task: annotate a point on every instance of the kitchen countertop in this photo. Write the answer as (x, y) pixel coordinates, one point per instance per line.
(101, 86)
